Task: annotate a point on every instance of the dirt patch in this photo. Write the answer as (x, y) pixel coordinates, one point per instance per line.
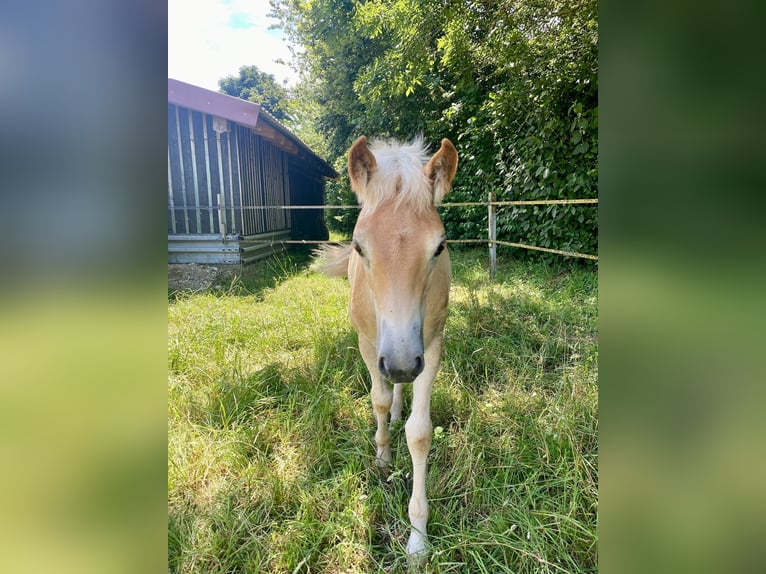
(193, 277)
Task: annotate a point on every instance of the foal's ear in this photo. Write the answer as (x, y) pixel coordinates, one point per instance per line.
(361, 165)
(441, 169)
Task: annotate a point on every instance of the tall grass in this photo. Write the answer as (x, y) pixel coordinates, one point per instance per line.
(270, 429)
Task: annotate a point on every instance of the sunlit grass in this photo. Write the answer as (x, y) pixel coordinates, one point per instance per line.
(270, 462)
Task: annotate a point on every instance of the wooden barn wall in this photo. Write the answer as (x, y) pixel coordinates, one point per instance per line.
(201, 164)
(265, 181)
(247, 171)
(239, 165)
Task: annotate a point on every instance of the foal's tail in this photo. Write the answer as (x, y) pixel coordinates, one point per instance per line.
(333, 259)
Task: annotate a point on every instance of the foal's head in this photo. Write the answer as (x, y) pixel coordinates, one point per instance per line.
(400, 240)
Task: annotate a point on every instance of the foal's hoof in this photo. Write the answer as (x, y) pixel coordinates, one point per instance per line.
(383, 468)
(416, 549)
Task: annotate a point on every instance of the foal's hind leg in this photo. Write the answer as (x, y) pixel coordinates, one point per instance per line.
(396, 405)
(382, 397)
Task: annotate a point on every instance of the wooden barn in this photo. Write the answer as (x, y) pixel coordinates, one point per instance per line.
(228, 158)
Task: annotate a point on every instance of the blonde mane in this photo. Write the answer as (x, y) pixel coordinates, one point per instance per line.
(399, 176)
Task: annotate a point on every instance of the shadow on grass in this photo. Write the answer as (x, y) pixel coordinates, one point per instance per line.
(295, 459)
(253, 279)
(529, 325)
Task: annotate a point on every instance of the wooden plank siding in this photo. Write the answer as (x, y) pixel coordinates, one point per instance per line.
(264, 182)
(227, 159)
(237, 164)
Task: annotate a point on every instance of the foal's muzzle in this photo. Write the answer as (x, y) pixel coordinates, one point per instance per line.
(397, 372)
(400, 351)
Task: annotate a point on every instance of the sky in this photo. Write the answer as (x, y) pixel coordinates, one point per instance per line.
(211, 39)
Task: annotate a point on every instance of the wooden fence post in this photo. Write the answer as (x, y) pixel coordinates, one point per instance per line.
(492, 223)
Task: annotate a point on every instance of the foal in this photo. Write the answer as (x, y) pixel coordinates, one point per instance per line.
(399, 272)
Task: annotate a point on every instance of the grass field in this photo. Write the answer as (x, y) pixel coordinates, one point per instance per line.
(270, 429)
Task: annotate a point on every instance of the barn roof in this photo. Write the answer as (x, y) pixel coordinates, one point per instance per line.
(247, 114)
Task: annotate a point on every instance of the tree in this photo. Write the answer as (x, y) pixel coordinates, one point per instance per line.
(513, 83)
(258, 87)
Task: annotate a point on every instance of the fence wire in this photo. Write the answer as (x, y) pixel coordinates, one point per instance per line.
(453, 204)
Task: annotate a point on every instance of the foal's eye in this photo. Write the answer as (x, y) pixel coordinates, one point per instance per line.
(439, 249)
(358, 248)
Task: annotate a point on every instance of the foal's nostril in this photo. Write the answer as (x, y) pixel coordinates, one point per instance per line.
(418, 366)
(395, 373)
(382, 366)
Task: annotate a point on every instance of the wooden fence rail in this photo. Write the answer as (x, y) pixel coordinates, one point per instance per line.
(491, 204)
(456, 204)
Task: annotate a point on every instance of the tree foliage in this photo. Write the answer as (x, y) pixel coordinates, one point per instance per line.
(513, 83)
(259, 87)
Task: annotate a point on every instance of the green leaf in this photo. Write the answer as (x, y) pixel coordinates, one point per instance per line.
(580, 148)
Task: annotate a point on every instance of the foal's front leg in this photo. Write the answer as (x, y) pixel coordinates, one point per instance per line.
(419, 430)
(382, 397)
